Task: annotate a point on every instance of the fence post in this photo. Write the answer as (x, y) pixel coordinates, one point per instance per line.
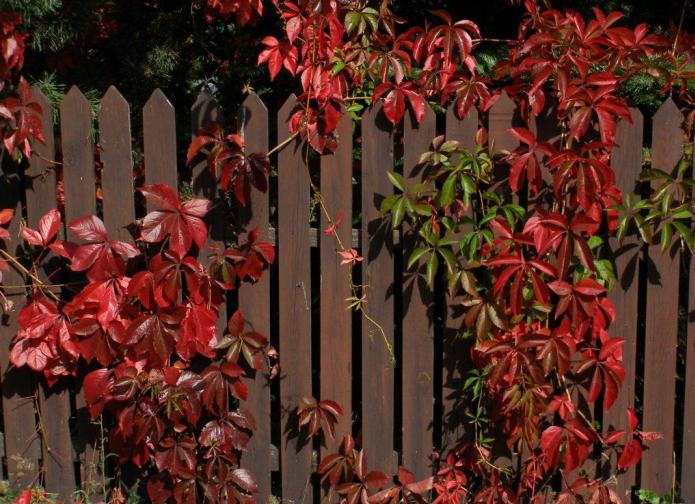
(335, 319)
(626, 162)
(294, 268)
(418, 321)
(378, 277)
(661, 340)
(254, 301)
(80, 200)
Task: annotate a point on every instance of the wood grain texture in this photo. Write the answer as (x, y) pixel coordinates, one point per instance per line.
(502, 116)
(254, 301)
(295, 309)
(626, 162)
(661, 340)
(159, 130)
(40, 194)
(456, 350)
(418, 327)
(22, 446)
(378, 276)
(336, 319)
(117, 172)
(80, 201)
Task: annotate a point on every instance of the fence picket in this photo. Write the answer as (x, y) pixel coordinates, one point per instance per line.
(502, 116)
(55, 402)
(295, 308)
(254, 301)
(335, 319)
(418, 319)
(80, 201)
(117, 172)
(159, 130)
(455, 358)
(378, 276)
(626, 162)
(661, 341)
(22, 448)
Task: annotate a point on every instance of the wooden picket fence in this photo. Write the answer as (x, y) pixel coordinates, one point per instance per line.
(403, 411)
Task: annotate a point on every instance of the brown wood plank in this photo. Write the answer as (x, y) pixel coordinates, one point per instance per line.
(456, 350)
(626, 162)
(661, 341)
(80, 200)
(295, 309)
(55, 402)
(336, 319)
(688, 465)
(418, 329)
(117, 172)
(22, 447)
(159, 129)
(378, 276)
(254, 301)
(500, 119)
(204, 111)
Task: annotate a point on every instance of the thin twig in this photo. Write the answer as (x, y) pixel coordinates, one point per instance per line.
(28, 273)
(283, 144)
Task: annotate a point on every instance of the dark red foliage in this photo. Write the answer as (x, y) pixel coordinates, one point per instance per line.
(145, 330)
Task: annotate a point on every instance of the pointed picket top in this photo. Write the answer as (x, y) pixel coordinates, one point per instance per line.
(206, 109)
(501, 118)
(75, 101)
(427, 118)
(158, 101)
(39, 98)
(113, 101)
(462, 130)
(251, 109)
(159, 131)
(626, 158)
(287, 108)
(45, 150)
(667, 136)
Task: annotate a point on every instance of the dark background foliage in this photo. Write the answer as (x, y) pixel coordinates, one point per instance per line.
(139, 45)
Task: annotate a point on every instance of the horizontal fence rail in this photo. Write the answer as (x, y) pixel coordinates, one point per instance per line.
(404, 411)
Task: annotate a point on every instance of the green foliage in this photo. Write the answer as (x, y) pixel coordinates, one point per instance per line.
(649, 497)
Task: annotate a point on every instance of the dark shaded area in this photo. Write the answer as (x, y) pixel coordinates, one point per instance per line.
(141, 45)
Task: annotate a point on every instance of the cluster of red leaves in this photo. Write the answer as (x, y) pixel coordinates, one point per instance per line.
(20, 121)
(340, 49)
(228, 161)
(537, 302)
(244, 11)
(143, 322)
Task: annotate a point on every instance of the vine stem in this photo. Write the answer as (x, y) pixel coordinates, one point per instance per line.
(283, 144)
(361, 300)
(44, 287)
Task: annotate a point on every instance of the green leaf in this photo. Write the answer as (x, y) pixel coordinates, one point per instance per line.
(594, 242)
(416, 255)
(604, 268)
(447, 194)
(449, 258)
(432, 267)
(397, 180)
(666, 235)
(398, 212)
(388, 202)
(352, 21)
(685, 233)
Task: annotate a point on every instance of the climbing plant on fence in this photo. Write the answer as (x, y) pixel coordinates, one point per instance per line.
(143, 325)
